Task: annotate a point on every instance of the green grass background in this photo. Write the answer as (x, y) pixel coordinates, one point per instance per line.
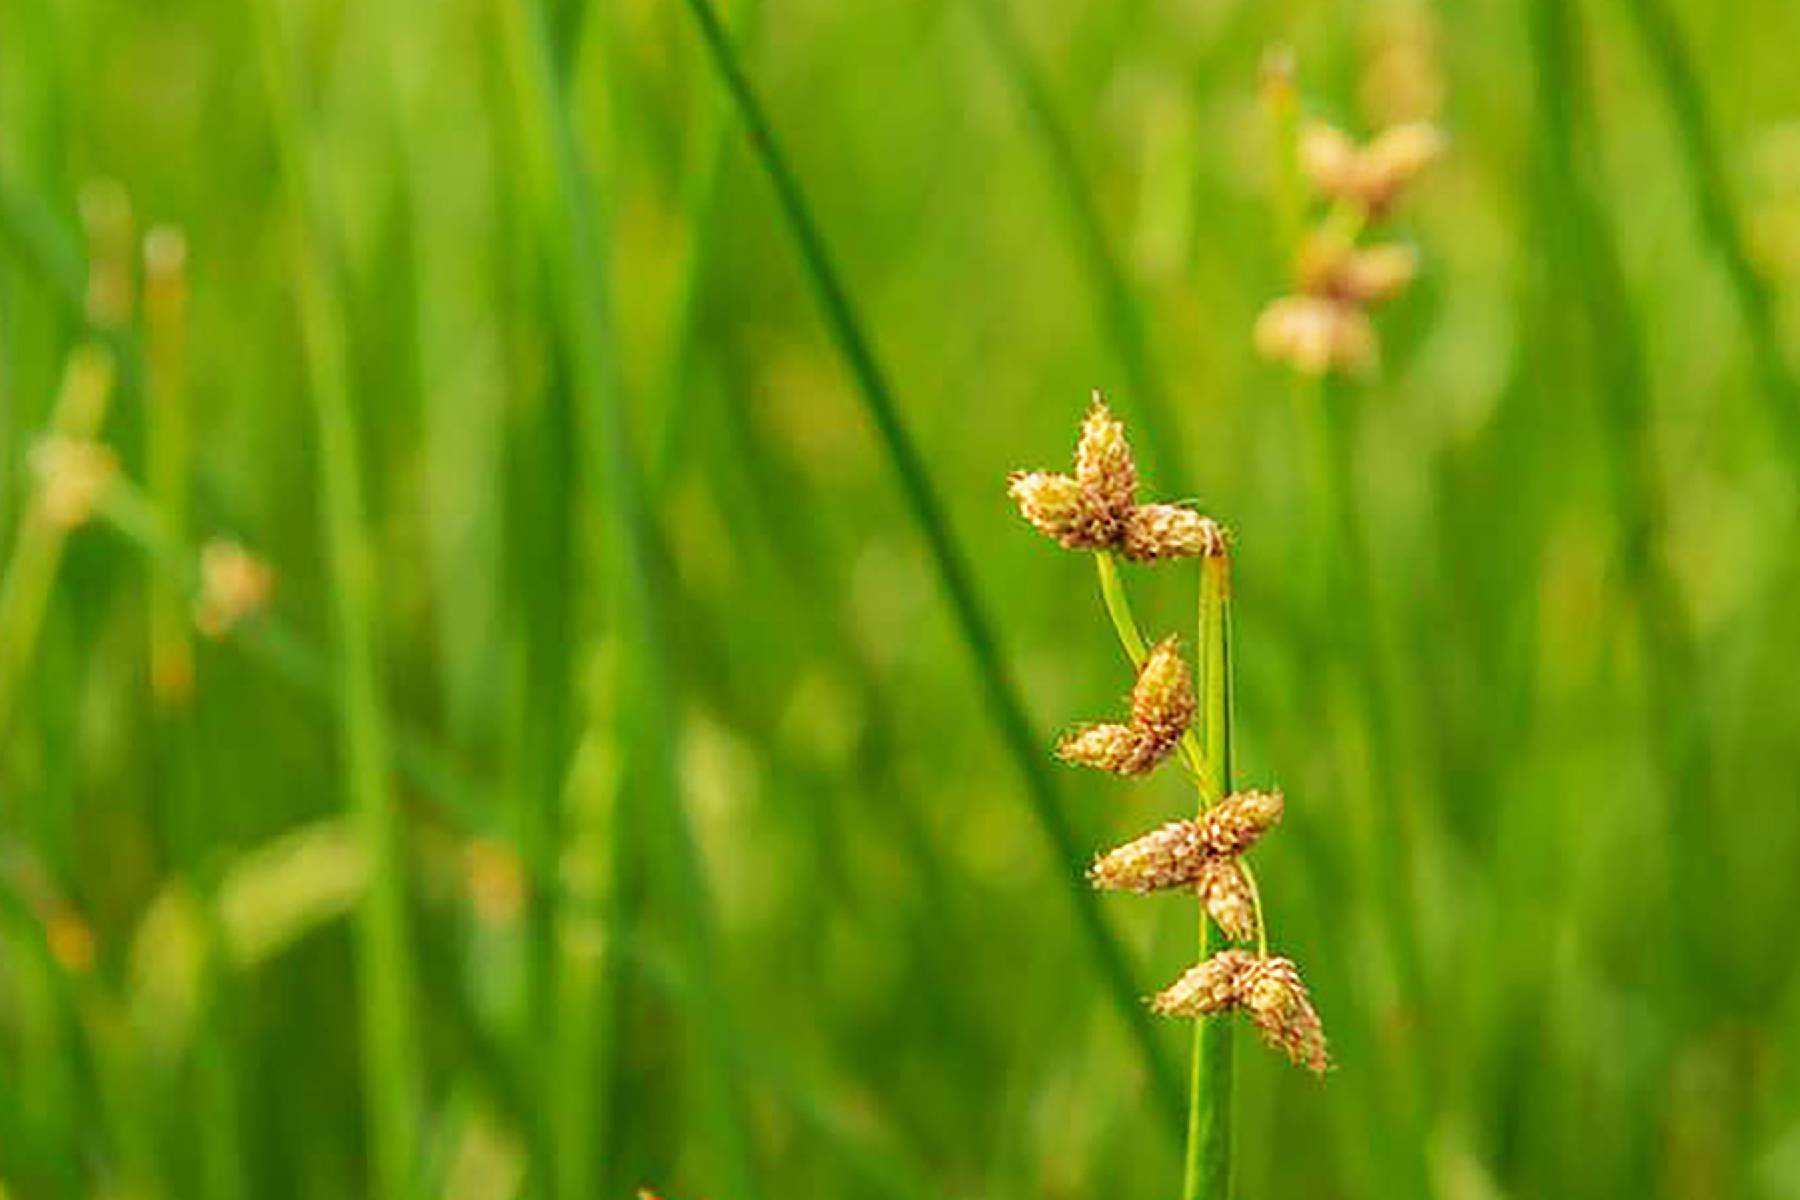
(612, 797)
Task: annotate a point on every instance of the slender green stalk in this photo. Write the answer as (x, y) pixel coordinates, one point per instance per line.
(391, 1057)
(1207, 1166)
(168, 451)
(1707, 180)
(1118, 608)
(219, 1128)
(37, 549)
(1118, 308)
(948, 558)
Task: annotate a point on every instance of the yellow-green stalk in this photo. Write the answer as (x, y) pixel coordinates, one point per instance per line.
(49, 516)
(392, 1082)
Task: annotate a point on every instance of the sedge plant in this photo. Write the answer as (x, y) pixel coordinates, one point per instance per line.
(1095, 509)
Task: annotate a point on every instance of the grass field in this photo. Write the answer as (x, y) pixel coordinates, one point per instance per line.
(520, 676)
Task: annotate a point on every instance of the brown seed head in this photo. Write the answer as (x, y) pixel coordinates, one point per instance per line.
(1105, 470)
(1374, 175)
(1329, 159)
(72, 476)
(1210, 987)
(1162, 702)
(1154, 531)
(1232, 826)
(1394, 159)
(1225, 891)
(1121, 749)
(1316, 334)
(1052, 502)
(1272, 992)
(1328, 267)
(1169, 857)
(1378, 274)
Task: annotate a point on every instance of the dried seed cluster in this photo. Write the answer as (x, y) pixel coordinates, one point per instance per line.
(1325, 324)
(1096, 508)
(1267, 987)
(1162, 708)
(1199, 853)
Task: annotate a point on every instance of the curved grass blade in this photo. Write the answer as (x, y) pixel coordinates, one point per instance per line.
(954, 575)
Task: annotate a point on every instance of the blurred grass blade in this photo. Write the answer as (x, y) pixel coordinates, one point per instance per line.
(37, 549)
(631, 660)
(1706, 174)
(1676, 730)
(1002, 696)
(391, 1056)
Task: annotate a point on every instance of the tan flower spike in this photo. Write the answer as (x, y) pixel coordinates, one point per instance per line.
(1269, 989)
(1316, 334)
(1208, 988)
(1088, 510)
(1170, 857)
(1330, 268)
(1154, 531)
(1096, 508)
(1225, 890)
(1232, 826)
(1176, 854)
(1272, 992)
(1371, 176)
(1162, 708)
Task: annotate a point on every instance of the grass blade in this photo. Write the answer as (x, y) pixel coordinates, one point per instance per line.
(391, 1057)
(967, 608)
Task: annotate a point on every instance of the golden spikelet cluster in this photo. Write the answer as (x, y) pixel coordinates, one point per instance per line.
(1373, 175)
(1325, 324)
(1162, 708)
(1266, 987)
(1096, 508)
(1200, 853)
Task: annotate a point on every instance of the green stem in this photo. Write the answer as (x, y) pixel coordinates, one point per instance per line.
(37, 550)
(392, 1082)
(1118, 608)
(1207, 1174)
(967, 608)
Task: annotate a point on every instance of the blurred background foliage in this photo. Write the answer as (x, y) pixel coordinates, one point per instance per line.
(707, 866)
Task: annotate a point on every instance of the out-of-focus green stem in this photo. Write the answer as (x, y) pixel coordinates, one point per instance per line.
(37, 549)
(392, 1082)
